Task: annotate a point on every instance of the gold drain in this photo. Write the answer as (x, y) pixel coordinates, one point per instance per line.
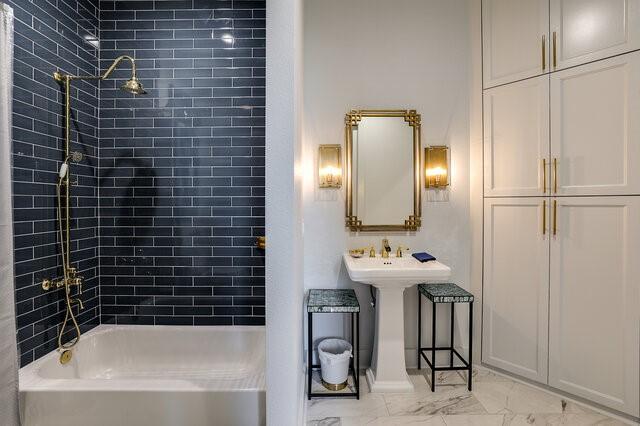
(65, 356)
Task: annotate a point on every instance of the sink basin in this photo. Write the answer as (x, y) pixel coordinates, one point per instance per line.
(394, 271)
(391, 276)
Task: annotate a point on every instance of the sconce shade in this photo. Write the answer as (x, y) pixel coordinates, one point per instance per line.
(436, 166)
(330, 166)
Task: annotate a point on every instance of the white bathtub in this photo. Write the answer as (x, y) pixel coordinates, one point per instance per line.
(150, 375)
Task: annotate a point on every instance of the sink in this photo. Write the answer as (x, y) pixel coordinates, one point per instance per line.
(391, 276)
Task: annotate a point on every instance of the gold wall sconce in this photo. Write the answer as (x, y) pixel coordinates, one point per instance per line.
(436, 166)
(330, 166)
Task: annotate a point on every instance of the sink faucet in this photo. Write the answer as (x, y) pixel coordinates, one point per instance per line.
(386, 248)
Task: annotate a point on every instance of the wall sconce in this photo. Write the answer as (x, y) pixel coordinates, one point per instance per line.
(330, 166)
(436, 166)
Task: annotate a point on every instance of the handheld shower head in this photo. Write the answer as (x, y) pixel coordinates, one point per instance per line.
(64, 169)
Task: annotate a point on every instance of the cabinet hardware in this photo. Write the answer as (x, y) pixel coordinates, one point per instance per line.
(555, 175)
(544, 217)
(555, 217)
(544, 52)
(555, 49)
(544, 175)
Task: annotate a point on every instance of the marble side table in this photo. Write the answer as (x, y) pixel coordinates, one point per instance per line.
(332, 301)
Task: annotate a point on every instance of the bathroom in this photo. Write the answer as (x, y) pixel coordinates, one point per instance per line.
(152, 149)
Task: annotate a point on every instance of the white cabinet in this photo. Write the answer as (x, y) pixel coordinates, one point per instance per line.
(588, 30)
(595, 128)
(514, 32)
(594, 323)
(516, 285)
(561, 277)
(516, 138)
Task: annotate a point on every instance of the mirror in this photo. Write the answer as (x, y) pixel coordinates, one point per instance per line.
(382, 170)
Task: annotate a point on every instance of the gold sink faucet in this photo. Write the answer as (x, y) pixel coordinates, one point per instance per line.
(400, 249)
(386, 248)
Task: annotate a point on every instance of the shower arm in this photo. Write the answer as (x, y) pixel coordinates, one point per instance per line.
(60, 78)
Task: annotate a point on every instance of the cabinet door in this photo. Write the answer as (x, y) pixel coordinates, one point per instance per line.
(516, 133)
(588, 30)
(595, 300)
(516, 286)
(595, 130)
(513, 35)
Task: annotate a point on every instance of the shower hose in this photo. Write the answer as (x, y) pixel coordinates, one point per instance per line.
(69, 312)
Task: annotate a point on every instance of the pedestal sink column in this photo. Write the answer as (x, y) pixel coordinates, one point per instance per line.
(388, 372)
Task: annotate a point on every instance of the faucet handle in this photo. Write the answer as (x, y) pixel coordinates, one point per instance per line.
(372, 251)
(400, 249)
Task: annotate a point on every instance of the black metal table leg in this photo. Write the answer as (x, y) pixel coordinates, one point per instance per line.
(451, 336)
(419, 330)
(470, 357)
(309, 353)
(433, 349)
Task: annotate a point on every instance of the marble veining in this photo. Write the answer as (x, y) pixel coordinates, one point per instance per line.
(445, 293)
(495, 401)
(332, 300)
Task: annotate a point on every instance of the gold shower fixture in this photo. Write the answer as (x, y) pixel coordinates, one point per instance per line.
(71, 275)
(132, 85)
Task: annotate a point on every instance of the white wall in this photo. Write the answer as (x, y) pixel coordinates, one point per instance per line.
(375, 54)
(284, 294)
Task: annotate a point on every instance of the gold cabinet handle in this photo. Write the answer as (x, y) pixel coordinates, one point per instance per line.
(544, 175)
(544, 52)
(555, 175)
(544, 217)
(555, 49)
(555, 217)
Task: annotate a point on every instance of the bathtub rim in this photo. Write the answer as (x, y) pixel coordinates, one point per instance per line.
(31, 381)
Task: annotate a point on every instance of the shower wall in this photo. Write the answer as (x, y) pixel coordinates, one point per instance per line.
(182, 169)
(52, 35)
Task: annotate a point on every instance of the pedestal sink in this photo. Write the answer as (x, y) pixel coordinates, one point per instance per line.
(391, 276)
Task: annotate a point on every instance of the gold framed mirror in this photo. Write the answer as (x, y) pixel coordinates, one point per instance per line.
(382, 170)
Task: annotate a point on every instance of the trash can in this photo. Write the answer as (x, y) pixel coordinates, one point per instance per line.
(334, 355)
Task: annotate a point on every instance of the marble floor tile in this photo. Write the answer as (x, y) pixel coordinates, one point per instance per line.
(559, 420)
(393, 421)
(474, 420)
(512, 397)
(446, 400)
(329, 421)
(495, 401)
(370, 404)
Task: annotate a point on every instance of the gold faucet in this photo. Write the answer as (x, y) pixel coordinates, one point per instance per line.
(400, 249)
(386, 248)
(78, 302)
(372, 252)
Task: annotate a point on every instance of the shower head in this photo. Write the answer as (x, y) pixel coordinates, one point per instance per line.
(133, 86)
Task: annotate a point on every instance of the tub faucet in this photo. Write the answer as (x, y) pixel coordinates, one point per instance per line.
(386, 248)
(79, 302)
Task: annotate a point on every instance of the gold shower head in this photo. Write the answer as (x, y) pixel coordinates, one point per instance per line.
(133, 86)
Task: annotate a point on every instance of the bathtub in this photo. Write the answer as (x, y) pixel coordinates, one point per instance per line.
(150, 375)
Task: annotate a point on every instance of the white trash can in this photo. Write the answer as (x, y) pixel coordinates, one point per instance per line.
(334, 355)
